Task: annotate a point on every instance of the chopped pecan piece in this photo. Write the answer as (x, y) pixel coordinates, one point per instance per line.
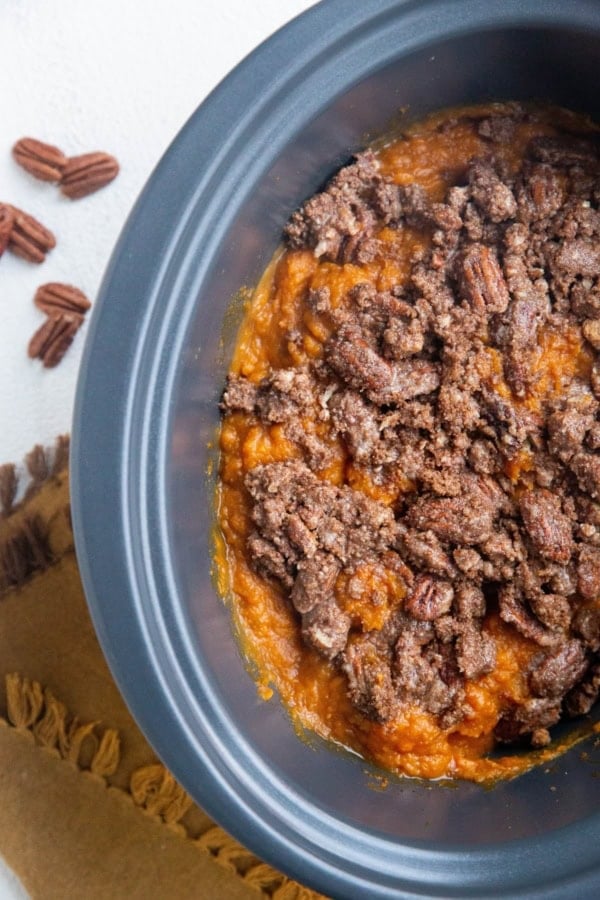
(582, 697)
(466, 519)
(563, 150)
(475, 651)
(559, 671)
(325, 627)
(523, 320)
(481, 280)
(490, 193)
(553, 610)
(360, 366)
(370, 687)
(528, 718)
(424, 550)
(586, 624)
(514, 612)
(542, 195)
(588, 573)
(363, 429)
(315, 581)
(547, 526)
(356, 362)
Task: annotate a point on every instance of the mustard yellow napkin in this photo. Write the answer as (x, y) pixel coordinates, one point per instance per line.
(87, 810)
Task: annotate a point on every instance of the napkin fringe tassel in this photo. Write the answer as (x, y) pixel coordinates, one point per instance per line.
(96, 751)
(25, 546)
(19, 482)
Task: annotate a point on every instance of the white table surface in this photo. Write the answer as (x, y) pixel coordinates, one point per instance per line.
(121, 76)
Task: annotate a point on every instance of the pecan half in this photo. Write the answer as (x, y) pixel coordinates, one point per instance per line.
(7, 219)
(43, 161)
(481, 280)
(29, 238)
(359, 365)
(55, 298)
(52, 340)
(547, 526)
(87, 173)
(559, 671)
(429, 598)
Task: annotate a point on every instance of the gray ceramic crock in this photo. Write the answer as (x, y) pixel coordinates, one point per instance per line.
(146, 411)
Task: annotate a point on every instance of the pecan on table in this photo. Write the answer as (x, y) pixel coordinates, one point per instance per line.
(29, 239)
(87, 173)
(55, 298)
(7, 219)
(429, 598)
(52, 340)
(43, 161)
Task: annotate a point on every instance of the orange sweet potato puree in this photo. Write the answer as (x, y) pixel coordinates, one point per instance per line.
(312, 689)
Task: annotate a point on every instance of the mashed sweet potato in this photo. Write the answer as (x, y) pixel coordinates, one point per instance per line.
(409, 480)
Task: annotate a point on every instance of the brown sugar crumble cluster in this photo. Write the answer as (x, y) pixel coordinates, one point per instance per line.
(65, 306)
(428, 506)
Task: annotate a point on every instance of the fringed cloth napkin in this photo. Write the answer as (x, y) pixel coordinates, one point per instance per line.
(86, 810)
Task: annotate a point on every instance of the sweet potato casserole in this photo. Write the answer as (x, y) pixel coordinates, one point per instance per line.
(409, 491)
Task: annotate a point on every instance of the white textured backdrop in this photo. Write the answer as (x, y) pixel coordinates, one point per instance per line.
(121, 76)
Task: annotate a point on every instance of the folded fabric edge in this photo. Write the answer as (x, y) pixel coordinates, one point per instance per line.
(36, 713)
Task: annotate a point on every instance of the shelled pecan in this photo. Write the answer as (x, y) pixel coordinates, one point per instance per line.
(29, 238)
(43, 161)
(54, 337)
(87, 173)
(429, 598)
(481, 280)
(7, 219)
(55, 298)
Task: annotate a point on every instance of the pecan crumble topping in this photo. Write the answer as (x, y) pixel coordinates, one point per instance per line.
(439, 431)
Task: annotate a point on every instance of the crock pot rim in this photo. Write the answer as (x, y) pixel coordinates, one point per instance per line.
(110, 430)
